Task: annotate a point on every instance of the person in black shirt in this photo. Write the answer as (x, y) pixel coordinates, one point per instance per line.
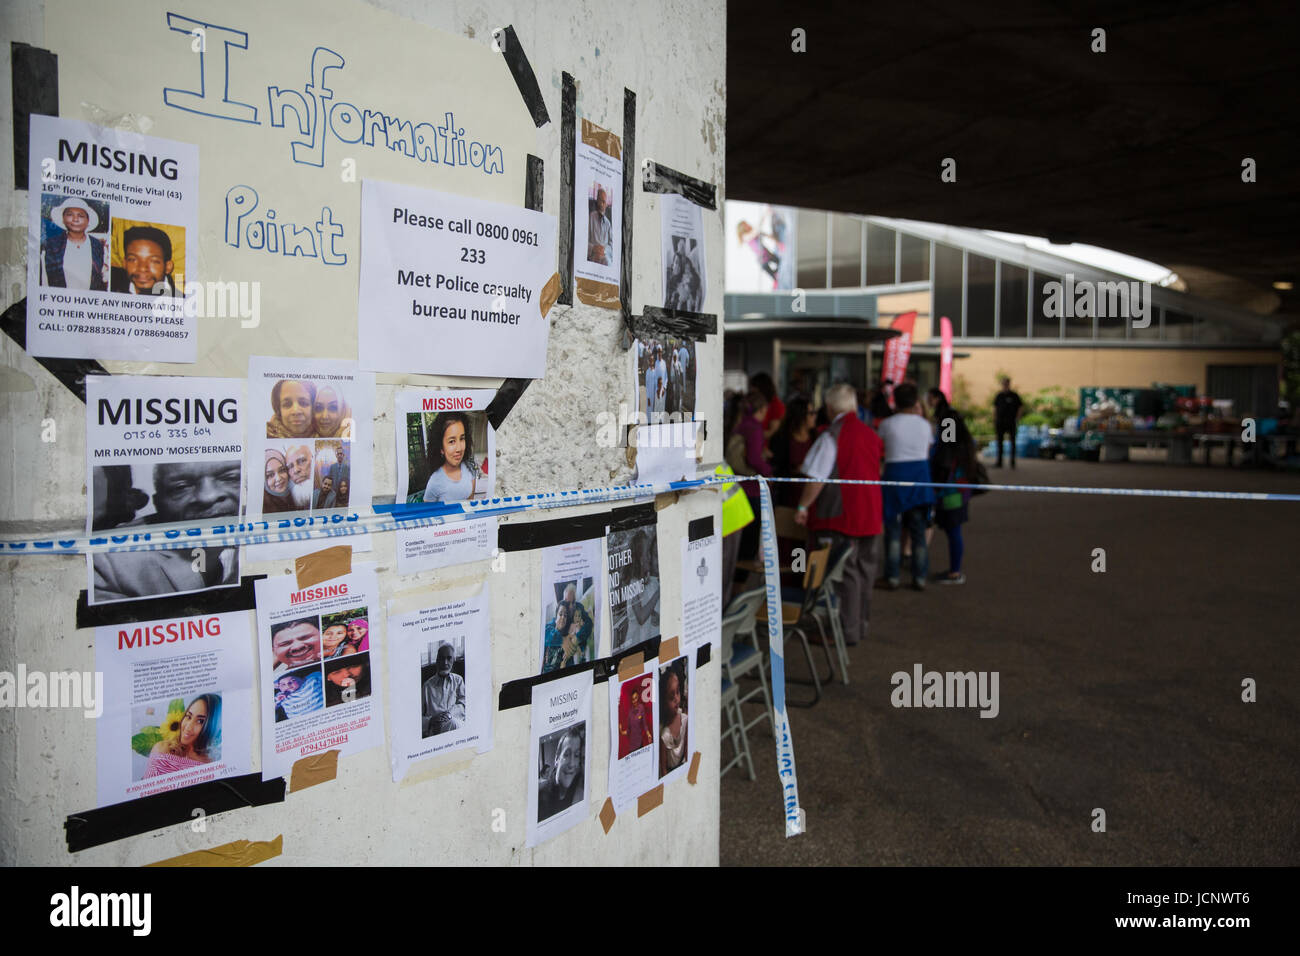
(1007, 409)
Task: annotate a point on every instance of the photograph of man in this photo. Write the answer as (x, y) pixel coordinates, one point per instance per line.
(298, 693)
(183, 491)
(656, 385)
(325, 492)
(347, 680)
(147, 266)
(293, 405)
(277, 495)
(331, 472)
(600, 229)
(560, 784)
(295, 644)
(70, 257)
(300, 461)
(682, 287)
(442, 696)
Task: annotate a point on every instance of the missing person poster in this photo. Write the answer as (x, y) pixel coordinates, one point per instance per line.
(112, 215)
(676, 736)
(559, 791)
(633, 585)
(319, 672)
(571, 586)
(682, 240)
(597, 216)
(633, 736)
(314, 453)
(161, 450)
(452, 285)
(701, 588)
(663, 379)
(177, 700)
(440, 678)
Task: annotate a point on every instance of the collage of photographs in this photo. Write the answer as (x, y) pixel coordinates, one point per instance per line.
(320, 661)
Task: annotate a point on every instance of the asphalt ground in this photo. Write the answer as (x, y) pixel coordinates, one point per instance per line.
(1119, 690)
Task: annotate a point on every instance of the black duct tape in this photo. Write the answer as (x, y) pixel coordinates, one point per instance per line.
(122, 820)
(525, 78)
(216, 601)
(35, 77)
(654, 321)
(71, 372)
(699, 528)
(629, 194)
(661, 179)
(568, 160)
(519, 693)
(529, 535)
(512, 389)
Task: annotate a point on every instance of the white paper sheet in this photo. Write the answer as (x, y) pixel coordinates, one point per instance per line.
(682, 245)
(633, 565)
(559, 757)
(319, 679)
(701, 591)
(597, 247)
(91, 293)
(302, 448)
(177, 699)
(450, 285)
(161, 450)
(571, 579)
(633, 736)
(666, 452)
(441, 546)
(435, 712)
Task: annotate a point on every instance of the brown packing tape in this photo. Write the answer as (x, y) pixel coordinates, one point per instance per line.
(648, 801)
(322, 565)
(239, 853)
(550, 292)
(601, 294)
(666, 500)
(669, 649)
(607, 814)
(693, 774)
(317, 768)
(631, 665)
(602, 139)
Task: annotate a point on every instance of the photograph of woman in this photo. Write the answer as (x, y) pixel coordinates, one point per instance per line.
(451, 459)
(560, 786)
(292, 406)
(197, 734)
(277, 495)
(673, 742)
(359, 631)
(330, 413)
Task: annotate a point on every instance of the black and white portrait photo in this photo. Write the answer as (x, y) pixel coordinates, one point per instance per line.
(442, 688)
(561, 757)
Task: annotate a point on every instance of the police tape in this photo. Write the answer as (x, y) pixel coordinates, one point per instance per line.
(399, 516)
(795, 819)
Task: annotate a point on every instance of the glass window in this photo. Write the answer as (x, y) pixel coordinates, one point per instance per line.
(1152, 332)
(1080, 326)
(880, 255)
(812, 249)
(1013, 308)
(914, 258)
(1047, 326)
(1179, 327)
(980, 286)
(947, 286)
(846, 252)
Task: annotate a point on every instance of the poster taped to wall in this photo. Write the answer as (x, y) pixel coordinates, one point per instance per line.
(633, 737)
(682, 242)
(701, 591)
(571, 618)
(440, 660)
(452, 285)
(446, 448)
(762, 250)
(111, 218)
(633, 586)
(161, 450)
(177, 700)
(319, 669)
(559, 760)
(597, 215)
(663, 379)
(441, 546)
(666, 452)
(676, 681)
(313, 454)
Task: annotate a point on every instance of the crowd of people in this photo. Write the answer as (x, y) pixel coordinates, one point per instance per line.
(894, 434)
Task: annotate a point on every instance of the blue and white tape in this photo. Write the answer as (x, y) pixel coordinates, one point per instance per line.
(794, 814)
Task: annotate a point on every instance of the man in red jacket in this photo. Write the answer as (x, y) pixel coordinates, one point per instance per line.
(846, 515)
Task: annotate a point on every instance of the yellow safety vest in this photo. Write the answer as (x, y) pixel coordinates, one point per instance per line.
(736, 510)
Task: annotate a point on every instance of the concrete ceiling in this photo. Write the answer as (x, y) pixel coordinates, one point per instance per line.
(1138, 149)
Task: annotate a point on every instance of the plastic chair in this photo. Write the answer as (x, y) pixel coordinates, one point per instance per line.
(798, 616)
(740, 621)
(734, 720)
(829, 602)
